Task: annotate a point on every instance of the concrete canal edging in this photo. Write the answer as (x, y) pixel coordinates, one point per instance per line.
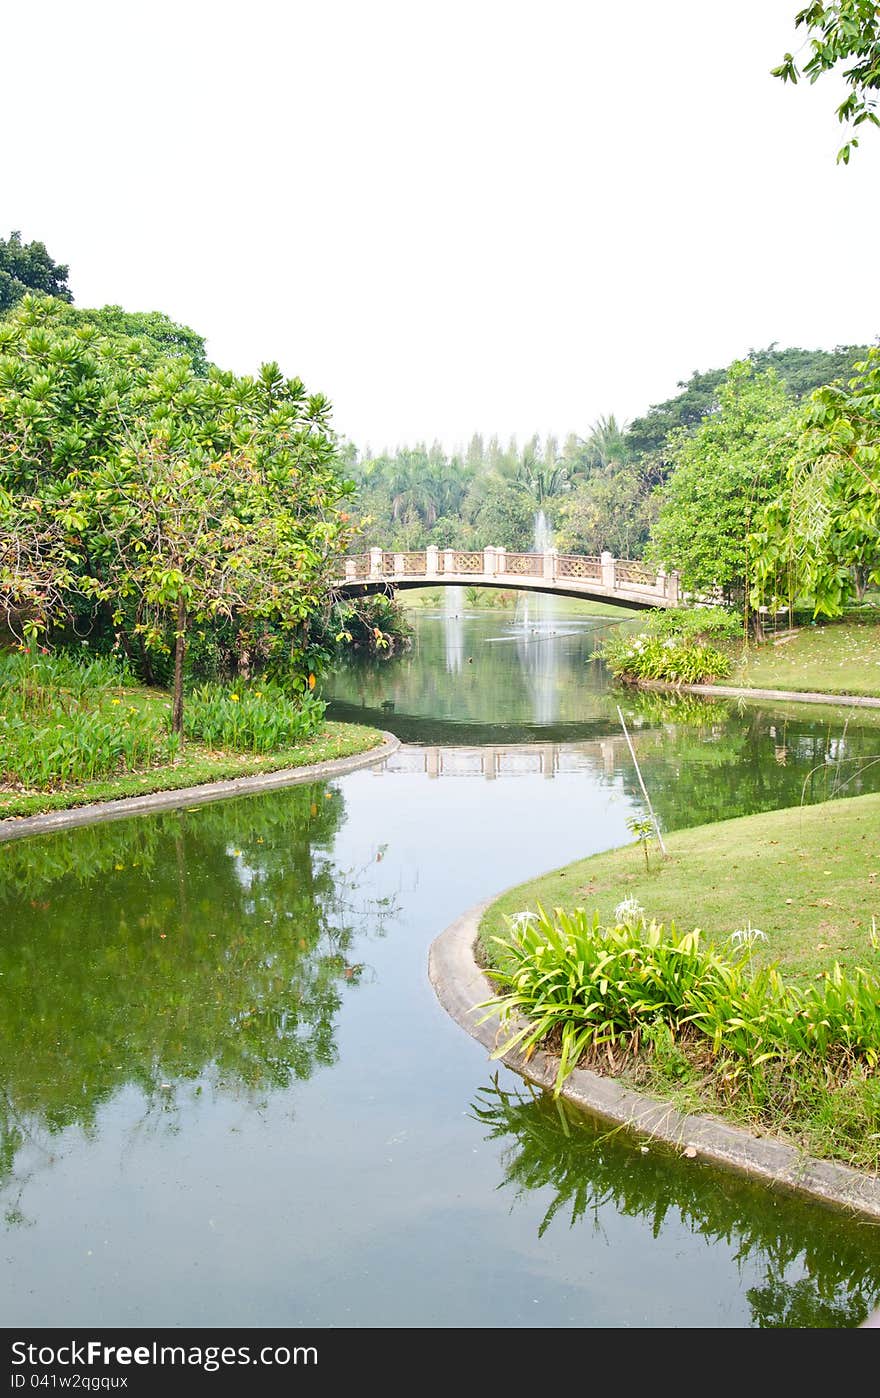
(460, 985)
(17, 827)
(789, 696)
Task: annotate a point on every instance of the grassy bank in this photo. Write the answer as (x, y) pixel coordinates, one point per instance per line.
(808, 877)
(74, 731)
(198, 764)
(841, 657)
(780, 1034)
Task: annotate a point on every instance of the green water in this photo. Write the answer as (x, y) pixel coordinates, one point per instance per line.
(228, 1095)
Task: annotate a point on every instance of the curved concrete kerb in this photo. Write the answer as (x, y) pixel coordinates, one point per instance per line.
(15, 828)
(461, 985)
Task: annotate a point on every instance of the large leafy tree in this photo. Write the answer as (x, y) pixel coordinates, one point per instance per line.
(609, 510)
(38, 567)
(193, 533)
(722, 476)
(27, 267)
(844, 37)
(177, 494)
(157, 335)
(818, 541)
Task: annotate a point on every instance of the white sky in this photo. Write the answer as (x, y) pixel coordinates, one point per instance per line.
(449, 217)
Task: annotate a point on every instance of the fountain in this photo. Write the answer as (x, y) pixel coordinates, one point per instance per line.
(534, 619)
(453, 606)
(534, 610)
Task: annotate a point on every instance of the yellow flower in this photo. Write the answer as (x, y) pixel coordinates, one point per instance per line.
(234, 698)
(258, 693)
(311, 681)
(115, 701)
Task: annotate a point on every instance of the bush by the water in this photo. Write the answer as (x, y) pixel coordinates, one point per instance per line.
(585, 988)
(65, 719)
(258, 717)
(678, 645)
(646, 657)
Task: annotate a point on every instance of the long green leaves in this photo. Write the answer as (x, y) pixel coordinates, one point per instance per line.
(62, 720)
(259, 717)
(582, 986)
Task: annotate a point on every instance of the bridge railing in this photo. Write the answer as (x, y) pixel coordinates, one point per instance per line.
(578, 566)
(607, 575)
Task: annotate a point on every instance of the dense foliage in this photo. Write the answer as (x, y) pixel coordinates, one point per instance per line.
(587, 988)
(27, 267)
(678, 647)
(723, 474)
(818, 540)
(166, 499)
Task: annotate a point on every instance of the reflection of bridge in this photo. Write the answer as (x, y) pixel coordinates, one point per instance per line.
(523, 760)
(607, 579)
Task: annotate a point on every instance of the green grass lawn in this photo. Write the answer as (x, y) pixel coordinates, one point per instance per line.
(808, 877)
(838, 658)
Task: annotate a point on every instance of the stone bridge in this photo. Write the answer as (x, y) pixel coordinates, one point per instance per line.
(604, 578)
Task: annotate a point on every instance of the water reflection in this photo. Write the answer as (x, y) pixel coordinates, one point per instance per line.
(453, 629)
(211, 1061)
(810, 1267)
(209, 949)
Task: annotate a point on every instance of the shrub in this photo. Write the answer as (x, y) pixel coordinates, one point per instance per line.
(67, 719)
(256, 717)
(583, 986)
(696, 623)
(647, 657)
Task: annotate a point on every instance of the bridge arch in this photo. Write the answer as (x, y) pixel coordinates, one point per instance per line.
(621, 582)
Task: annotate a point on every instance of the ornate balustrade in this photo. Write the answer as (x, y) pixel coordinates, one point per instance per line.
(619, 579)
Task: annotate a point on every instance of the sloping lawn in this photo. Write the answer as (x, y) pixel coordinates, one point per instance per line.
(808, 877)
(838, 658)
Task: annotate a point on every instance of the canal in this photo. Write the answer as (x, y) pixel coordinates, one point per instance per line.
(228, 1095)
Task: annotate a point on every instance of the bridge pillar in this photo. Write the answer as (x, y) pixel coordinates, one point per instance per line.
(489, 558)
(432, 762)
(490, 764)
(673, 588)
(399, 565)
(449, 560)
(432, 556)
(500, 561)
(606, 748)
(550, 557)
(350, 569)
(608, 570)
(375, 563)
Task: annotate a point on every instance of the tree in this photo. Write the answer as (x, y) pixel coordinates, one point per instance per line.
(37, 567)
(722, 476)
(610, 510)
(842, 32)
(28, 267)
(177, 496)
(818, 541)
(155, 333)
(192, 540)
(502, 513)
